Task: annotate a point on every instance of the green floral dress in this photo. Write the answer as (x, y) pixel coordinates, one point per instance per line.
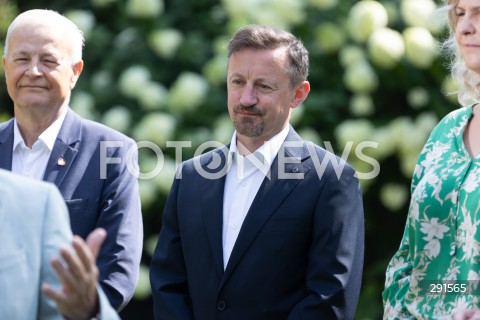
(441, 239)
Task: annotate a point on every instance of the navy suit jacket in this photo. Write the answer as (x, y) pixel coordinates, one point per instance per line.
(299, 253)
(112, 203)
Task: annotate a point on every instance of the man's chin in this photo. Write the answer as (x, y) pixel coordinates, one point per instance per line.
(250, 132)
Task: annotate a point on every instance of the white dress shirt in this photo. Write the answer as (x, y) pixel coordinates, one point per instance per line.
(241, 186)
(33, 162)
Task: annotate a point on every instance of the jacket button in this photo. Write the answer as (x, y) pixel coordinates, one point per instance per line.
(221, 305)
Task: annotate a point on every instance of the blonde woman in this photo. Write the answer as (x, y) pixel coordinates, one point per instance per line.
(435, 272)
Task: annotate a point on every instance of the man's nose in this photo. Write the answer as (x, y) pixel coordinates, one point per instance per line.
(248, 97)
(33, 70)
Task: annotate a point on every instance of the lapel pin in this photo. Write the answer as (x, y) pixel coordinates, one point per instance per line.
(61, 162)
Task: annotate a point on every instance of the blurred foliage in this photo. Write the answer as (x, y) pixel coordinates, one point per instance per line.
(155, 70)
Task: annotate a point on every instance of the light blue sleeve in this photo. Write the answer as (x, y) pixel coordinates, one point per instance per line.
(106, 310)
(56, 233)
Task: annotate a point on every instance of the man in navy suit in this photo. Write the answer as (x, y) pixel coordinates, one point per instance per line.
(85, 160)
(271, 226)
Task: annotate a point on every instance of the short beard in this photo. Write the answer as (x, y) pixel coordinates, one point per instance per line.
(248, 128)
(245, 125)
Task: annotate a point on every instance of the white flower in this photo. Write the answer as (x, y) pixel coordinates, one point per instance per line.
(364, 17)
(420, 46)
(310, 134)
(165, 177)
(165, 42)
(215, 70)
(133, 79)
(83, 103)
(353, 131)
(187, 92)
(435, 155)
(386, 47)
(101, 80)
(419, 13)
(450, 89)
(157, 127)
(407, 163)
(414, 209)
(393, 196)
(143, 289)
(469, 230)
(418, 97)
(432, 248)
(223, 129)
(351, 54)
(361, 105)
(290, 11)
(425, 122)
(433, 229)
(323, 4)
(118, 118)
(144, 8)
(240, 8)
(153, 96)
(472, 181)
(461, 303)
(384, 137)
(84, 19)
(452, 273)
(330, 37)
(360, 77)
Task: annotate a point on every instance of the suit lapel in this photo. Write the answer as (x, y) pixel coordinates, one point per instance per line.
(269, 197)
(6, 145)
(212, 203)
(64, 150)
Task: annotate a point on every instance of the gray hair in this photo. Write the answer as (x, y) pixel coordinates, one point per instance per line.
(467, 79)
(50, 18)
(263, 37)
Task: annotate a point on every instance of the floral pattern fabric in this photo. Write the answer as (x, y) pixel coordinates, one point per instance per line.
(441, 237)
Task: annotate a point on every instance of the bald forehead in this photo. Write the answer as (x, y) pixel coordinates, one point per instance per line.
(42, 17)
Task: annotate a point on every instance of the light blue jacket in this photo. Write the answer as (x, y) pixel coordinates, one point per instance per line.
(34, 225)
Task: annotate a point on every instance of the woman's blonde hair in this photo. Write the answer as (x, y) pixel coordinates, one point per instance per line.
(467, 79)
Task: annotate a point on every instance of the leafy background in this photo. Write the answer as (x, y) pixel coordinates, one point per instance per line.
(155, 70)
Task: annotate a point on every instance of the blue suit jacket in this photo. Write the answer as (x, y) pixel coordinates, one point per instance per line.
(112, 203)
(299, 253)
(34, 226)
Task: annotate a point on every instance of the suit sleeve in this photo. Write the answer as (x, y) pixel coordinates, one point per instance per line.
(334, 270)
(56, 233)
(121, 217)
(168, 276)
(106, 310)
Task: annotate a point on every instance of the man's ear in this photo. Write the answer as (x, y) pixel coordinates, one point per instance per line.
(301, 94)
(77, 70)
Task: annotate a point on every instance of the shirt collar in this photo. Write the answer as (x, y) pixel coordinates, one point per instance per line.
(48, 136)
(268, 151)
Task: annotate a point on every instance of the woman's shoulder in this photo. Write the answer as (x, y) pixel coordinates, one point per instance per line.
(457, 115)
(454, 120)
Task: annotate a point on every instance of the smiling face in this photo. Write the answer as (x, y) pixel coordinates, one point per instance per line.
(38, 68)
(260, 97)
(467, 32)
